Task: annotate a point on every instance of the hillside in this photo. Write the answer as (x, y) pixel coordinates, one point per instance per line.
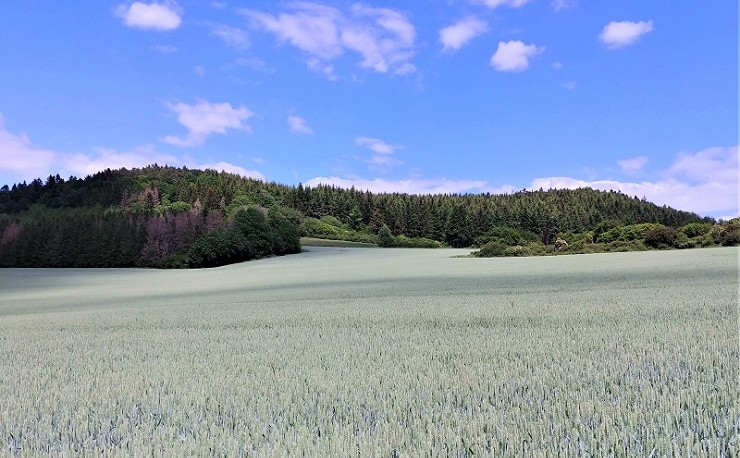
(176, 217)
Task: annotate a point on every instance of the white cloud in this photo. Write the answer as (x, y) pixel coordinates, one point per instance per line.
(222, 166)
(384, 38)
(298, 125)
(382, 157)
(81, 165)
(377, 145)
(617, 35)
(513, 56)
(633, 165)
(232, 36)
(165, 15)
(205, 118)
(705, 182)
(252, 63)
(21, 160)
(455, 36)
(408, 186)
(712, 164)
(497, 3)
(20, 157)
(560, 5)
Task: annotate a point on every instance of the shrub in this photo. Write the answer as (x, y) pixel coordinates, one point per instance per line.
(611, 235)
(661, 237)
(695, 229)
(491, 249)
(331, 221)
(637, 231)
(385, 238)
(506, 235)
(417, 242)
(683, 241)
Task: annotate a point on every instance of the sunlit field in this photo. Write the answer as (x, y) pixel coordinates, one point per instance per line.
(376, 352)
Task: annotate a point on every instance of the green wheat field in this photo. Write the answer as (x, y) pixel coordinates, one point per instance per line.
(376, 352)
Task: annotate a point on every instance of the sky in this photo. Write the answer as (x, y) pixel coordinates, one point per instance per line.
(425, 96)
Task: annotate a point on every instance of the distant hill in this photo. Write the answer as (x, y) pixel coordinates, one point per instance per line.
(177, 217)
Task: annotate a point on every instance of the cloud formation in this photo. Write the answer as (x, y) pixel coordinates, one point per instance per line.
(560, 5)
(408, 186)
(705, 182)
(497, 3)
(20, 157)
(457, 35)
(232, 36)
(514, 56)
(299, 125)
(383, 37)
(205, 118)
(165, 15)
(617, 35)
(633, 165)
(222, 166)
(382, 156)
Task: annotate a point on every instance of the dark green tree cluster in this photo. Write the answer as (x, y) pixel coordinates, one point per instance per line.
(156, 216)
(253, 234)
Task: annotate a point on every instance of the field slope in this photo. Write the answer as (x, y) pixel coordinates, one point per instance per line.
(348, 351)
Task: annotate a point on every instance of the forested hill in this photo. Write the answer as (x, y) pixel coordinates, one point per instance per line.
(159, 216)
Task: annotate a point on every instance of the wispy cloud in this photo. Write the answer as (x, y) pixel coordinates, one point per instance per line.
(497, 3)
(633, 165)
(705, 182)
(560, 5)
(514, 56)
(141, 156)
(617, 35)
(298, 125)
(382, 156)
(232, 36)
(377, 145)
(20, 157)
(205, 118)
(383, 37)
(222, 166)
(408, 186)
(457, 35)
(165, 15)
(252, 63)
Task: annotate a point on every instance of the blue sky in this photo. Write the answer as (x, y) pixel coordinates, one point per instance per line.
(440, 96)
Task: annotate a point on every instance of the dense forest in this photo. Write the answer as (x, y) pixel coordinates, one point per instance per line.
(176, 217)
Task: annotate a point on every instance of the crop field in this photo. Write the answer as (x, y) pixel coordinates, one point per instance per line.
(376, 352)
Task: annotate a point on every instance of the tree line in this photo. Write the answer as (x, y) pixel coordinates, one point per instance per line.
(167, 216)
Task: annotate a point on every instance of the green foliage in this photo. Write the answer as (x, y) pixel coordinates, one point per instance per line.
(491, 249)
(727, 233)
(313, 227)
(692, 230)
(255, 233)
(164, 210)
(506, 235)
(332, 221)
(179, 207)
(402, 241)
(385, 237)
(285, 230)
(661, 237)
